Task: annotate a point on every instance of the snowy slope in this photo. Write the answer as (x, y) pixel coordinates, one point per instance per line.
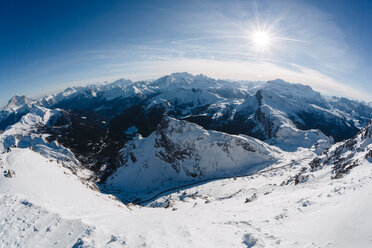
(353, 110)
(179, 152)
(347, 155)
(300, 107)
(282, 132)
(261, 210)
(25, 224)
(268, 210)
(43, 201)
(25, 134)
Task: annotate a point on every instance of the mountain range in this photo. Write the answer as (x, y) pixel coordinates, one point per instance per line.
(124, 151)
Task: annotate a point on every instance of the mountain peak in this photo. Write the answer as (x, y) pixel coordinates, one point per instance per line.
(17, 102)
(276, 83)
(296, 90)
(18, 99)
(181, 75)
(185, 80)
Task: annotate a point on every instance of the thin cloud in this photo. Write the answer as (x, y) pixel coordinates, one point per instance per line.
(238, 70)
(232, 37)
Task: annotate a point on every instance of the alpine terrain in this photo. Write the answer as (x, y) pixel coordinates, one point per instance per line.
(186, 161)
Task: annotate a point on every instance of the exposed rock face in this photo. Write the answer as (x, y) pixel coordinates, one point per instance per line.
(17, 107)
(282, 113)
(346, 155)
(179, 152)
(231, 107)
(25, 134)
(297, 107)
(95, 122)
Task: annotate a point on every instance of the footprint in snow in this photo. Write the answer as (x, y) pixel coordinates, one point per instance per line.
(252, 242)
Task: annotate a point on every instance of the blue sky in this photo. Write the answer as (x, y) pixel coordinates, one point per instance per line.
(48, 45)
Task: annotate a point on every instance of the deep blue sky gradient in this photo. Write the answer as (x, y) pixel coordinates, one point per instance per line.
(47, 45)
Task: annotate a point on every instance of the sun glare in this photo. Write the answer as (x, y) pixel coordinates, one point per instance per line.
(261, 39)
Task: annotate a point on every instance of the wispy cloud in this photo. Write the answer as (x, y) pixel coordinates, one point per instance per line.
(306, 47)
(233, 70)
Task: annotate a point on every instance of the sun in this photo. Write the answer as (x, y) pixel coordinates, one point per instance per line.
(261, 39)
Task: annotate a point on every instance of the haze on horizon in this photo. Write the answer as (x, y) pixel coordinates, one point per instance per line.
(47, 46)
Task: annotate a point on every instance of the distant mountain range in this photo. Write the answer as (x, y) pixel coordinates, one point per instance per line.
(181, 141)
(95, 122)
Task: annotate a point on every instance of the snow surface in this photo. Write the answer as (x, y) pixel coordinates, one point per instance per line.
(46, 205)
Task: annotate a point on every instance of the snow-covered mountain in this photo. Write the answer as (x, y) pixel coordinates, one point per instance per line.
(25, 134)
(15, 109)
(44, 204)
(95, 122)
(209, 163)
(280, 113)
(346, 155)
(179, 153)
